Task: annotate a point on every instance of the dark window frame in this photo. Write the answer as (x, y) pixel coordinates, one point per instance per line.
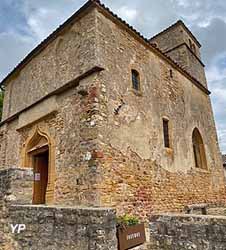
(135, 79)
(166, 135)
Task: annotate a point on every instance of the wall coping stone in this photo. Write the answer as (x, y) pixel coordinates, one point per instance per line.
(60, 207)
(187, 216)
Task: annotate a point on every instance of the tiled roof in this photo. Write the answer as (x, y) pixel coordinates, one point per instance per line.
(101, 6)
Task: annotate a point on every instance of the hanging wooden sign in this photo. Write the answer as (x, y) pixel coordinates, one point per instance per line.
(130, 236)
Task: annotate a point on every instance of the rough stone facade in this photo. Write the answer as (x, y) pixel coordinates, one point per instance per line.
(99, 157)
(187, 232)
(140, 173)
(67, 57)
(53, 228)
(178, 43)
(73, 137)
(15, 188)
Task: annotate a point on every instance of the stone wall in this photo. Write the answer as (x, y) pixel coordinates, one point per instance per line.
(171, 232)
(140, 175)
(4, 186)
(68, 56)
(15, 187)
(174, 37)
(3, 145)
(18, 184)
(169, 39)
(104, 158)
(72, 128)
(53, 228)
(49, 227)
(189, 62)
(175, 43)
(141, 187)
(141, 114)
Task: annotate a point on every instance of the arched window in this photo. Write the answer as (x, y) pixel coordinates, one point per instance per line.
(135, 80)
(199, 150)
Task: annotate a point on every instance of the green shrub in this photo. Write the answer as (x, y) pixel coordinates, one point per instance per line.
(127, 220)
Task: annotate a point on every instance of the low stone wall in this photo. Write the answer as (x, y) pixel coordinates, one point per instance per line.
(201, 232)
(53, 228)
(49, 228)
(4, 186)
(16, 186)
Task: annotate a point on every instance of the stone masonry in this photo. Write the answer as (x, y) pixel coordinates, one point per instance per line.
(139, 173)
(172, 232)
(66, 93)
(53, 228)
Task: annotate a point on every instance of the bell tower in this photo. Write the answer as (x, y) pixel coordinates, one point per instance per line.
(181, 46)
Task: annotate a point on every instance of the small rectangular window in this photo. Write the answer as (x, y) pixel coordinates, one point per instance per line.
(136, 80)
(166, 133)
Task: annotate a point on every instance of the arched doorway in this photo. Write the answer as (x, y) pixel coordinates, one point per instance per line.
(39, 155)
(199, 150)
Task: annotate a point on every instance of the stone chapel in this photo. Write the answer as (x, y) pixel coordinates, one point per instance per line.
(98, 115)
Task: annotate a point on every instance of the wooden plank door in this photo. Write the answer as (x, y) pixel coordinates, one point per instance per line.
(40, 178)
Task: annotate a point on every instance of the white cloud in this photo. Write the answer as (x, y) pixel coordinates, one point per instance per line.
(44, 17)
(214, 75)
(128, 13)
(42, 22)
(217, 81)
(183, 3)
(12, 50)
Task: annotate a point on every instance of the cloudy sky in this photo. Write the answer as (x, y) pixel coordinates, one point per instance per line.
(24, 23)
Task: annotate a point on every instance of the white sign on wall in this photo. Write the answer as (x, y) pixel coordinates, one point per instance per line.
(37, 176)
